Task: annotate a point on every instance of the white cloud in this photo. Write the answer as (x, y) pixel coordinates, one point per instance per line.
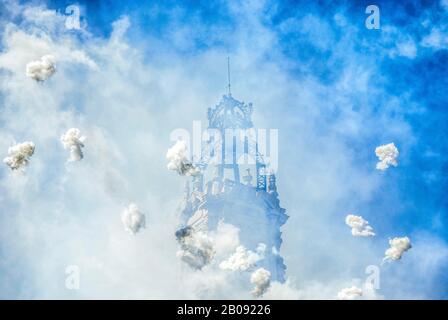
(196, 247)
(282, 291)
(243, 259)
(178, 160)
(19, 155)
(350, 293)
(437, 39)
(261, 279)
(44, 18)
(73, 141)
(225, 238)
(42, 69)
(387, 154)
(360, 227)
(398, 246)
(407, 49)
(444, 4)
(133, 219)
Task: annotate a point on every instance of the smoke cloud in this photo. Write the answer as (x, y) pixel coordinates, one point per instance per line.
(73, 141)
(243, 259)
(398, 246)
(350, 293)
(261, 278)
(133, 219)
(196, 247)
(360, 227)
(19, 155)
(42, 69)
(387, 154)
(178, 160)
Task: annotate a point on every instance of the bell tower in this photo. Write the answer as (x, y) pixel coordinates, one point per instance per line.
(229, 194)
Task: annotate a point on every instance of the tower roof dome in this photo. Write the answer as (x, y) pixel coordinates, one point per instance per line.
(230, 113)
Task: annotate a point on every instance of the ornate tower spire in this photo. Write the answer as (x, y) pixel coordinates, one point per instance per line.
(229, 116)
(254, 209)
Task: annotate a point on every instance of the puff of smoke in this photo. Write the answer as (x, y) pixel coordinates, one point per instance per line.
(360, 227)
(261, 278)
(196, 247)
(133, 219)
(387, 154)
(397, 247)
(41, 70)
(73, 141)
(351, 293)
(178, 160)
(243, 259)
(19, 155)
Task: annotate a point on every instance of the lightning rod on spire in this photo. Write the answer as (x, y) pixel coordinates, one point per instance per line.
(228, 74)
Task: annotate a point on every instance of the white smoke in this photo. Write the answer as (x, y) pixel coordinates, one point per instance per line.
(360, 227)
(225, 239)
(133, 219)
(178, 160)
(73, 141)
(398, 246)
(369, 292)
(283, 291)
(243, 259)
(387, 154)
(19, 155)
(261, 278)
(351, 293)
(319, 290)
(196, 247)
(41, 70)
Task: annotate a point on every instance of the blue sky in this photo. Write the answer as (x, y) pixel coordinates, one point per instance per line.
(334, 88)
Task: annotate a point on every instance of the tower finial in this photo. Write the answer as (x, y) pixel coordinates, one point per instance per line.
(228, 73)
